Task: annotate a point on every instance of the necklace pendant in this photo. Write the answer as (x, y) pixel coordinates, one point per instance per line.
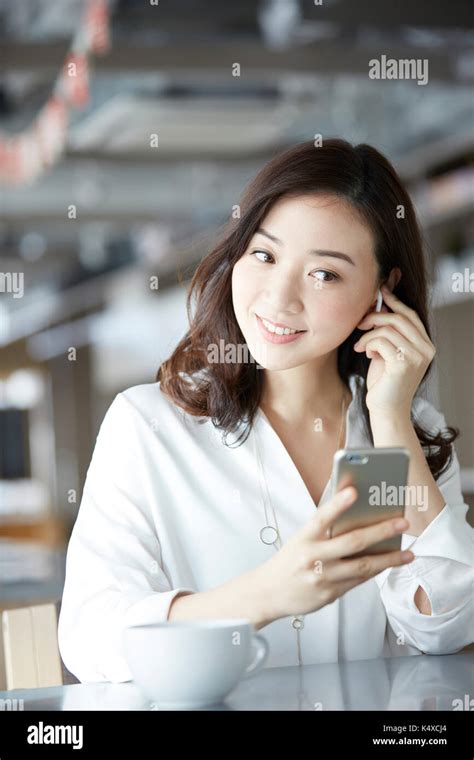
(269, 535)
(297, 622)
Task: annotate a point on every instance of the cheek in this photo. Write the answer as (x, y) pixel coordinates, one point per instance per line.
(331, 306)
(336, 313)
(241, 288)
(236, 281)
(243, 284)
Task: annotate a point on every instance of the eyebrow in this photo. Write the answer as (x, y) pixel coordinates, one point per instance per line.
(316, 251)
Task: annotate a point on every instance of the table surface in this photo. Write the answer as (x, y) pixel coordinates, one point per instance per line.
(418, 682)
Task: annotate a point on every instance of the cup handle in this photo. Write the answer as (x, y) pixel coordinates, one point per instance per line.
(261, 653)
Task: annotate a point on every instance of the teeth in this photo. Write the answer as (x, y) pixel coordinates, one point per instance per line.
(278, 330)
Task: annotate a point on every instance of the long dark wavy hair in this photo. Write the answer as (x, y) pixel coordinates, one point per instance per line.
(229, 393)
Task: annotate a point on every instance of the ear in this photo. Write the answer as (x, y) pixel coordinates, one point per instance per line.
(391, 282)
(394, 278)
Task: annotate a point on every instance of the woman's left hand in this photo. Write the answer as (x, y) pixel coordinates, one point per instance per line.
(400, 350)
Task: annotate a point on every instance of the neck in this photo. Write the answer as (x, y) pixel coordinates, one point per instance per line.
(314, 389)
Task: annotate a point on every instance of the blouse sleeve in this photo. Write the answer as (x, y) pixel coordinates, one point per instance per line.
(443, 567)
(114, 573)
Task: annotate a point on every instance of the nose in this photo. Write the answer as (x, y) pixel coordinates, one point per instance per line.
(282, 294)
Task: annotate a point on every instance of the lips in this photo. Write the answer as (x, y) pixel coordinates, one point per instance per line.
(271, 337)
(279, 324)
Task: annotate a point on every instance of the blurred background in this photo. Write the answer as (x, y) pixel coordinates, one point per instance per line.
(128, 130)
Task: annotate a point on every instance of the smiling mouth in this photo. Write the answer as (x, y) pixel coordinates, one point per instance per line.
(276, 328)
(279, 335)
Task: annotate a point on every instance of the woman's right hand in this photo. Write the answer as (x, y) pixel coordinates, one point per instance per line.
(308, 572)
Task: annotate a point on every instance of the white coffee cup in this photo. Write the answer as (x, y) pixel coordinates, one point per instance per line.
(192, 664)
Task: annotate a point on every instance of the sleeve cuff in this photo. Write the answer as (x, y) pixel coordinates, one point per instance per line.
(446, 537)
(153, 608)
(444, 633)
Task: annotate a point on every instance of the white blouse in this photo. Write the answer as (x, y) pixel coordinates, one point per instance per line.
(167, 507)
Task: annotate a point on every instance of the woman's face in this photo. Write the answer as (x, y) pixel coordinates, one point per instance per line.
(311, 267)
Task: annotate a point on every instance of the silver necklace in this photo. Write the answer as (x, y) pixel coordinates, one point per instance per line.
(270, 533)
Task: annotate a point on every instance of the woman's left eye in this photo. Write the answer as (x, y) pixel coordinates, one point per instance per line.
(265, 253)
(333, 275)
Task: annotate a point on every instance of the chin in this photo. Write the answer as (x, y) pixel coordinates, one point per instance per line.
(275, 358)
(279, 366)
(275, 362)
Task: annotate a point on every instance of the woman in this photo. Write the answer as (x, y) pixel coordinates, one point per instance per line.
(208, 491)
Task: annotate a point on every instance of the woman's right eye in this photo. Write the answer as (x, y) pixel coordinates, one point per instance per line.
(265, 253)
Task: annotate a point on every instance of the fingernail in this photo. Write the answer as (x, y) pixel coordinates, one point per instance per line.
(407, 556)
(348, 494)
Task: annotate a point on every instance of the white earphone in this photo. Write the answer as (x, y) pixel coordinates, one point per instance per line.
(379, 300)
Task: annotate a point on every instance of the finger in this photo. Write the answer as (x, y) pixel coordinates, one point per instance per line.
(401, 308)
(390, 334)
(397, 333)
(382, 346)
(366, 566)
(339, 588)
(398, 322)
(355, 541)
(328, 512)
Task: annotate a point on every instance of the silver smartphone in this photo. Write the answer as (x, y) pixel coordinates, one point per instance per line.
(380, 477)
